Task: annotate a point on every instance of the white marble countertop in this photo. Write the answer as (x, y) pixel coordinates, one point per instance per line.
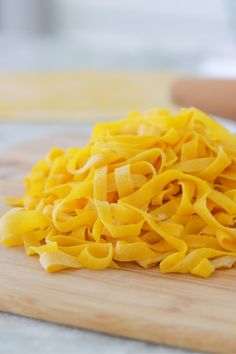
(19, 335)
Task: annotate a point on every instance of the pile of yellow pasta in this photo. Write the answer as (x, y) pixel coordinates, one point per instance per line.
(155, 189)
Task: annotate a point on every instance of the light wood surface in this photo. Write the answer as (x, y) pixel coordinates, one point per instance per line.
(81, 95)
(215, 96)
(180, 310)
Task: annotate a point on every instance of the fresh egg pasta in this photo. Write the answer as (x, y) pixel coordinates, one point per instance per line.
(157, 189)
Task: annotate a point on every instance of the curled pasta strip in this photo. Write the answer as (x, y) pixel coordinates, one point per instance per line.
(156, 189)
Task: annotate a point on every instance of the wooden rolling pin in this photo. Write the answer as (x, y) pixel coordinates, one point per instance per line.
(214, 96)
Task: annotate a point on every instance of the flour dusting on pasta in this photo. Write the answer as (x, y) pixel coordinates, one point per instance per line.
(157, 189)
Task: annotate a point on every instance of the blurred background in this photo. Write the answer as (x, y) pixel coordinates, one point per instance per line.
(126, 34)
(84, 60)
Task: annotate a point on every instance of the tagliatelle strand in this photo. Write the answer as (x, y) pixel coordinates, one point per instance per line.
(154, 188)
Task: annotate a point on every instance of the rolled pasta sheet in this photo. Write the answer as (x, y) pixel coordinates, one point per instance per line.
(156, 189)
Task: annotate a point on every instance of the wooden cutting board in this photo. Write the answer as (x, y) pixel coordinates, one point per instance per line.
(180, 310)
(81, 95)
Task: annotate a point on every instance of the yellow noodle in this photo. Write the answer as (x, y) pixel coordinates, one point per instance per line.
(156, 189)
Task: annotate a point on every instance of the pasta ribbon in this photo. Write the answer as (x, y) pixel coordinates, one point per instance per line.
(157, 189)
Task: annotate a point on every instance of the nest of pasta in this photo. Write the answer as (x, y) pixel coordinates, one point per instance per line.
(155, 189)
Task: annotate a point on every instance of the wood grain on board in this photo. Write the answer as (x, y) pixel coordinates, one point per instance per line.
(180, 310)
